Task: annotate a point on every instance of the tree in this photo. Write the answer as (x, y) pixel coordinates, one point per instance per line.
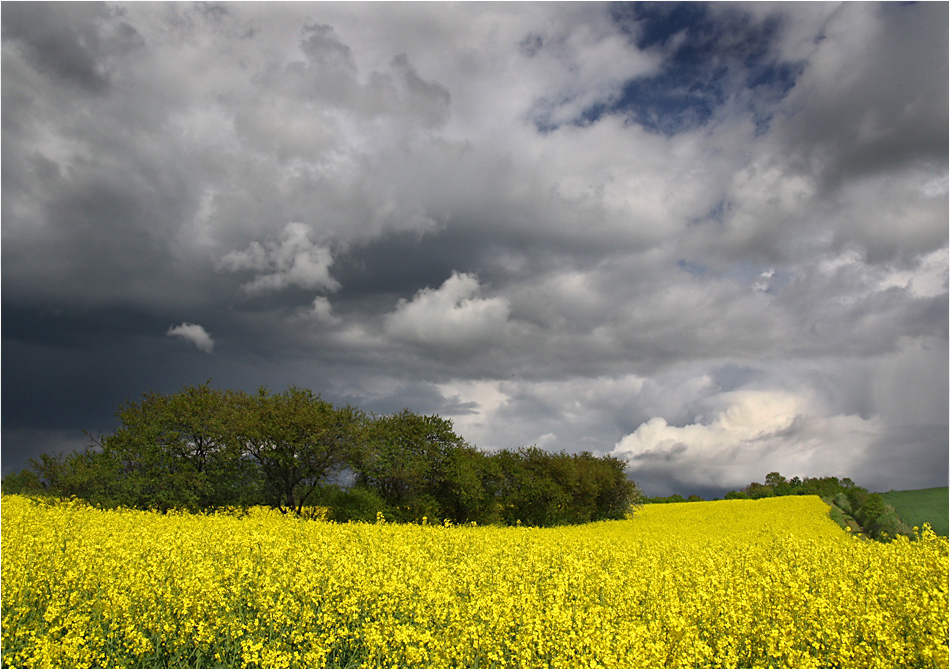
(616, 493)
(24, 482)
(825, 487)
(675, 498)
(421, 468)
(298, 440)
(778, 484)
(90, 474)
(202, 448)
(178, 450)
(539, 488)
(873, 508)
(856, 496)
(529, 493)
(756, 490)
(471, 484)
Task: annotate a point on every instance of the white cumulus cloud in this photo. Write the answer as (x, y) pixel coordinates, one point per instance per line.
(451, 316)
(291, 260)
(193, 333)
(754, 432)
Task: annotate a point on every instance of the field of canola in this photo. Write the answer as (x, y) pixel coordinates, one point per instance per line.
(733, 583)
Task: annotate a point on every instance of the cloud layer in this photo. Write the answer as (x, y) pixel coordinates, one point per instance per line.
(709, 238)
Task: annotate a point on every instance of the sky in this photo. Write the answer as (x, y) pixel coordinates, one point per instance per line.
(708, 239)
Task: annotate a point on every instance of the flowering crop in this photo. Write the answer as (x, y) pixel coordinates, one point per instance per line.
(735, 583)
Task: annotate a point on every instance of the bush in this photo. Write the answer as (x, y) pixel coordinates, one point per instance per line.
(841, 501)
(24, 482)
(357, 503)
(872, 508)
(888, 526)
(675, 498)
(856, 496)
(837, 516)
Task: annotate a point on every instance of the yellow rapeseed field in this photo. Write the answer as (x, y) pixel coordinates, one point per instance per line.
(734, 583)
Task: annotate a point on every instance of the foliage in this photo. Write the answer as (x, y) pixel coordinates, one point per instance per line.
(868, 514)
(88, 474)
(871, 510)
(662, 500)
(417, 466)
(888, 526)
(355, 503)
(540, 488)
(777, 485)
(298, 440)
(26, 482)
(842, 502)
(768, 583)
(204, 449)
(176, 451)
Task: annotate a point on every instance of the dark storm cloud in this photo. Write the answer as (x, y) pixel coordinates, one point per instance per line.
(892, 471)
(726, 245)
(63, 39)
(884, 111)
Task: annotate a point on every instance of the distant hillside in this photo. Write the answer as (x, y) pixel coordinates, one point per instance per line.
(920, 506)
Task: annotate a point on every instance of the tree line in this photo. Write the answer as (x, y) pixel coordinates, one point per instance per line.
(203, 448)
(777, 485)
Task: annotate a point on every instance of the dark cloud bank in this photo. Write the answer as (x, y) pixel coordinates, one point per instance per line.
(708, 238)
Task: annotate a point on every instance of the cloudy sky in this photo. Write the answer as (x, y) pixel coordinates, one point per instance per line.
(710, 239)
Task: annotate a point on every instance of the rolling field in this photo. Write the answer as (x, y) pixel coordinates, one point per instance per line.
(735, 583)
(922, 506)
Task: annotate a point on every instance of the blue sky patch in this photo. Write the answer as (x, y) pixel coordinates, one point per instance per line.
(712, 56)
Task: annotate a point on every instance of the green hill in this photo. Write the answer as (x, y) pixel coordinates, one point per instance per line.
(920, 506)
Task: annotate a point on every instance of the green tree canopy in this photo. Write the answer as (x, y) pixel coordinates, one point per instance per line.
(203, 448)
(298, 440)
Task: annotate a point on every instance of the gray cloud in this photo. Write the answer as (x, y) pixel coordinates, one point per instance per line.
(851, 117)
(70, 43)
(464, 209)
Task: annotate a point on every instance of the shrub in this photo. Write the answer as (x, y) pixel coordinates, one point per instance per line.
(856, 496)
(889, 526)
(872, 508)
(841, 501)
(357, 503)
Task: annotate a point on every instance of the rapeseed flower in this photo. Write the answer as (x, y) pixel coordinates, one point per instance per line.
(719, 584)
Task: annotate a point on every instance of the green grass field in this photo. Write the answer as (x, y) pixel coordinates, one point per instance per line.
(920, 506)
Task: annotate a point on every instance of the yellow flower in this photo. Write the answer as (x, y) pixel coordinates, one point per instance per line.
(727, 583)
